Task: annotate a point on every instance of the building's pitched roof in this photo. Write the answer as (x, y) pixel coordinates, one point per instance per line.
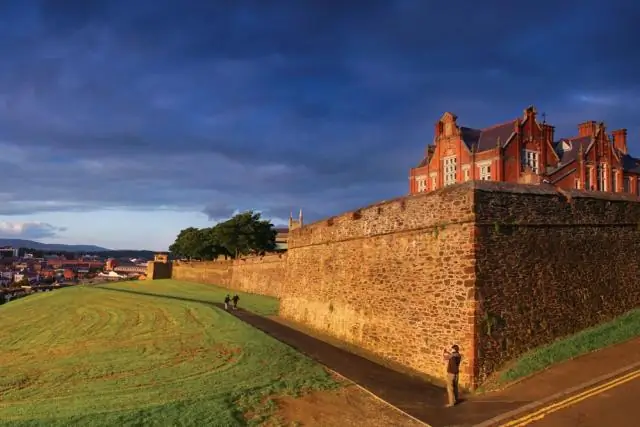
(487, 138)
(629, 163)
(570, 155)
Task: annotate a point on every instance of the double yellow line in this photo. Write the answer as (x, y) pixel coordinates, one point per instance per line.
(541, 413)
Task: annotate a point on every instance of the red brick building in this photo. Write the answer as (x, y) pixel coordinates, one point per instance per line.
(524, 150)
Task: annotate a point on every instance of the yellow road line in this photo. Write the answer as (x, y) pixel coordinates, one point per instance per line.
(539, 414)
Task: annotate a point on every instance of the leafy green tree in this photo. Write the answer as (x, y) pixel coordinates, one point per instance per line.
(188, 244)
(244, 234)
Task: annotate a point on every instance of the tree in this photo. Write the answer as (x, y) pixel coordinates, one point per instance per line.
(244, 234)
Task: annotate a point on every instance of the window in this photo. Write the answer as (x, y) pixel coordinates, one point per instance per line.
(467, 175)
(433, 182)
(485, 172)
(614, 182)
(531, 159)
(602, 177)
(450, 167)
(422, 183)
(577, 183)
(627, 185)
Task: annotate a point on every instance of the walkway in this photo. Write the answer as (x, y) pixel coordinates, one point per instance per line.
(412, 395)
(425, 401)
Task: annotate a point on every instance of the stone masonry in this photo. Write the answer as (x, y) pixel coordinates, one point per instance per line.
(496, 268)
(258, 275)
(550, 264)
(396, 278)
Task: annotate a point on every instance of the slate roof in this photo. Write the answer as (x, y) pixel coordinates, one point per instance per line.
(486, 139)
(481, 139)
(630, 164)
(569, 156)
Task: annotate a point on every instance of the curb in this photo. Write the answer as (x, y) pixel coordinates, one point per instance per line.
(370, 393)
(539, 403)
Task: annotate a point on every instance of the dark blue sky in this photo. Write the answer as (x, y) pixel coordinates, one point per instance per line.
(121, 122)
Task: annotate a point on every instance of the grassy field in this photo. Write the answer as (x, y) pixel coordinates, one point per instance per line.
(259, 304)
(94, 356)
(617, 331)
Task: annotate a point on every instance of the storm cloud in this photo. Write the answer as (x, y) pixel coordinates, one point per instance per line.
(276, 106)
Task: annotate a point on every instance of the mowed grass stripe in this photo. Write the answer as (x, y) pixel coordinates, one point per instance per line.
(85, 356)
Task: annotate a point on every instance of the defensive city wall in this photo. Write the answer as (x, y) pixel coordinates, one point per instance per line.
(496, 268)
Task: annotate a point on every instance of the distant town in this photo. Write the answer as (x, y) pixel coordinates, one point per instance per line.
(24, 272)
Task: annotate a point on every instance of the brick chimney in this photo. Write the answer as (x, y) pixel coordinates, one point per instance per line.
(620, 140)
(587, 128)
(549, 132)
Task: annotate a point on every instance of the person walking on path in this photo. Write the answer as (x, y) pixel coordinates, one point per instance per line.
(235, 299)
(227, 300)
(453, 359)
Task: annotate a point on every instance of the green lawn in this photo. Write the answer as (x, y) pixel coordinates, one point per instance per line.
(617, 331)
(91, 356)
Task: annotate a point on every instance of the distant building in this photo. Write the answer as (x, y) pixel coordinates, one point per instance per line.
(282, 236)
(9, 252)
(524, 150)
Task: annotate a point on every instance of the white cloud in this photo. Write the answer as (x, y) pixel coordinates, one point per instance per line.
(29, 229)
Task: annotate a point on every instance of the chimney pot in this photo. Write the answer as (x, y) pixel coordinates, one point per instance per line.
(587, 128)
(620, 140)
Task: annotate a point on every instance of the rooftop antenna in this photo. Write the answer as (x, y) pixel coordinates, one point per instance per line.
(544, 118)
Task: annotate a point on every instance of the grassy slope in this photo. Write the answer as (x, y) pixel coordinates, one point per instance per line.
(259, 304)
(607, 334)
(91, 356)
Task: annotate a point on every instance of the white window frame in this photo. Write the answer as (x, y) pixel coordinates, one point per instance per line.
(467, 172)
(531, 158)
(614, 182)
(450, 168)
(484, 171)
(602, 177)
(421, 181)
(577, 183)
(434, 180)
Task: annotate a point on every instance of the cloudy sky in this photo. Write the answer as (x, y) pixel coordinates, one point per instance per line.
(122, 122)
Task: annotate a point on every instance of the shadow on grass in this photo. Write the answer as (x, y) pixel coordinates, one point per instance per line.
(171, 297)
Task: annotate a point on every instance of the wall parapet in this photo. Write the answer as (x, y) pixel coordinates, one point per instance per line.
(405, 214)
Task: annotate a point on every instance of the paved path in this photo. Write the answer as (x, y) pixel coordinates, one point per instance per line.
(412, 395)
(613, 402)
(425, 401)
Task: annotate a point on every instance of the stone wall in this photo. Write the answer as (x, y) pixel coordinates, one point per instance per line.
(209, 272)
(258, 275)
(496, 268)
(550, 264)
(158, 270)
(396, 278)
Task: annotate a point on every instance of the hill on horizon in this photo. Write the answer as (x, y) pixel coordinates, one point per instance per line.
(32, 244)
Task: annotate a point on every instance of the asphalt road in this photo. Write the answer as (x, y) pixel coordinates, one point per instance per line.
(613, 404)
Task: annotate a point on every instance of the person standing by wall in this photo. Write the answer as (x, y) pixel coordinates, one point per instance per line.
(227, 300)
(452, 358)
